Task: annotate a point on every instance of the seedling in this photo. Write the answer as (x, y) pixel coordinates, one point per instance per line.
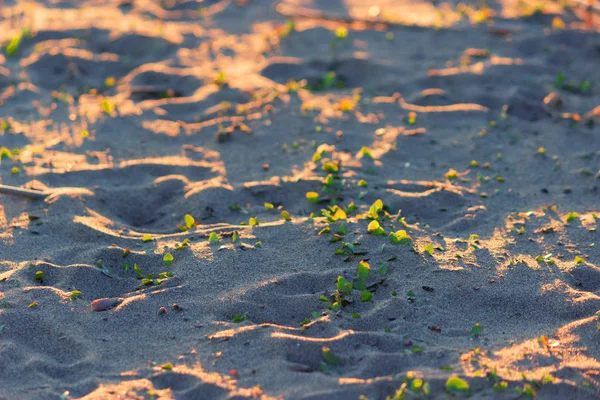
(400, 237)
(269, 206)
(477, 330)
(237, 318)
(313, 197)
(362, 274)
(146, 238)
(220, 80)
(579, 260)
(13, 45)
(39, 276)
(167, 367)
(189, 221)
(329, 357)
(412, 118)
(428, 249)
(286, 215)
(213, 238)
(235, 237)
(343, 286)
(168, 259)
(365, 295)
(74, 294)
(572, 216)
(126, 252)
(456, 385)
(107, 106)
(253, 221)
(375, 229)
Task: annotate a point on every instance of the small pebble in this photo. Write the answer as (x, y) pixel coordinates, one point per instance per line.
(105, 304)
(162, 311)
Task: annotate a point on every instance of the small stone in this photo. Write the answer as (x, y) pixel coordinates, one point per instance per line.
(162, 311)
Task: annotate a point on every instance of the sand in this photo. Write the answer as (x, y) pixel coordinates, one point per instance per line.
(130, 115)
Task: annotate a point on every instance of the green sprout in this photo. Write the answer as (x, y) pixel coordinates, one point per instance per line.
(477, 330)
(39, 276)
(456, 385)
(572, 216)
(313, 197)
(375, 229)
(400, 237)
(237, 318)
(74, 294)
(189, 221)
(286, 215)
(168, 259)
(213, 238)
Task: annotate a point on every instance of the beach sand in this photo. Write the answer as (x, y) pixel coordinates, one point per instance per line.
(132, 115)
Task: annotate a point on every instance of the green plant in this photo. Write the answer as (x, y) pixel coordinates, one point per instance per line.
(237, 318)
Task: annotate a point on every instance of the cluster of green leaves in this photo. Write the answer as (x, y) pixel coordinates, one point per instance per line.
(571, 85)
(149, 279)
(411, 387)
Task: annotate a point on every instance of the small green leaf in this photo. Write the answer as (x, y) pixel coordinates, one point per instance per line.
(168, 259)
(476, 330)
(329, 357)
(362, 274)
(400, 237)
(579, 260)
(39, 276)
(147, 282)
(313, 197)
(323, 298)
(269, 206)
(416, 349)
(237, 318)
(167, 366)
(365, 295)
(235, 237)
(189, 221)
(428, 249)
(343, 285)
(286, 215)
(572, 216)
(341, 229)
(327, 229)
(253, 221)
(456, 385)
(74, 294)
(330, 166)
(410, 293)
(500, 386)
(146, 238)
(375, 229)
(213, 238)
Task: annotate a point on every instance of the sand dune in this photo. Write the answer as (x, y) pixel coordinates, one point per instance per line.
(432, 119)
